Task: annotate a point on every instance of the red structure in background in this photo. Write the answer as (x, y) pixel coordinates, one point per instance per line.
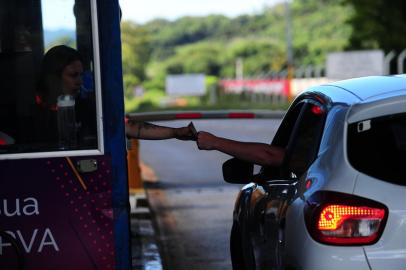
(280, 87)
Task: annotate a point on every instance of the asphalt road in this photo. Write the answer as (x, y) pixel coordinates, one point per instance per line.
(191, 203)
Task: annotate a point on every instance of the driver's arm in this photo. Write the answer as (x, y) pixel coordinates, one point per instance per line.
(258, 153)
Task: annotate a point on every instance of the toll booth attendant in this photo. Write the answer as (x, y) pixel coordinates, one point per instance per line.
(61, 74)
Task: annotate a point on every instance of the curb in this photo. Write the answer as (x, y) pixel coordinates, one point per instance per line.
(139, 205)
(144, 248)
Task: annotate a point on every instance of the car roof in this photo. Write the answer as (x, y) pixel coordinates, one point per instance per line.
(366, 88)
(368, 97)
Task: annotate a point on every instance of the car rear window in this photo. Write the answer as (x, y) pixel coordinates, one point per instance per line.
(377, 147)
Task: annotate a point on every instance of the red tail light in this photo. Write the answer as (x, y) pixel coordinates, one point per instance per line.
(342, 219)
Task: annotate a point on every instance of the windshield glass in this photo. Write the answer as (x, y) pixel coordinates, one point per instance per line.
(377, 147)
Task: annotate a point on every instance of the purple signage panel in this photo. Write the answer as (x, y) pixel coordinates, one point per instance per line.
(58, 218)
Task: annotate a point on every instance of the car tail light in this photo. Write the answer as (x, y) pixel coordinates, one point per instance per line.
(342, 219)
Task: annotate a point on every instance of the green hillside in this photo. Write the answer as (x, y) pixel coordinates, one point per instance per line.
(212, 44)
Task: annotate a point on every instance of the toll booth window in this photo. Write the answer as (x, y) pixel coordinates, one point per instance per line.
(47, 87)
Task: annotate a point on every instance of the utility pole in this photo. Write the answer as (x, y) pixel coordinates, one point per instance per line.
(289, 42)
(289, 36)
(239, 69)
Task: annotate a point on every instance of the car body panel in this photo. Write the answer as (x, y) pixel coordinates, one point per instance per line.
(262, 209)
(328, 172)
(390, 251)
(367, 87)
(333, 94)
(375, 108)
(302, 252)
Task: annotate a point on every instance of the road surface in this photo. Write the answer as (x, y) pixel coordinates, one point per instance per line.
(191, 203)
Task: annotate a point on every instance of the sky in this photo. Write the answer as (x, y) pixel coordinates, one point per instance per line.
(53, 18)
(141, 11)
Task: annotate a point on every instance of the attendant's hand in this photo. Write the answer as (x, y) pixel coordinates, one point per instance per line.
(187, 133)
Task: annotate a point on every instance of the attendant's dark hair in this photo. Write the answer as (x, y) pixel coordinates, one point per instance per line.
(50, 77)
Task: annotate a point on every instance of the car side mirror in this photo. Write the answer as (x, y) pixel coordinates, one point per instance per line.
(237, 171)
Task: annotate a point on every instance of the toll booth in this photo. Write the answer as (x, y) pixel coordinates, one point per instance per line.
(62, 206)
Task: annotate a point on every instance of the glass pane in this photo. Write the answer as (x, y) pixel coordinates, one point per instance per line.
(46, 55)
(307, 139)
(377, 147)
(58, 28)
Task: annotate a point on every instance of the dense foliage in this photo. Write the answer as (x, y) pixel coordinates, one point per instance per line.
(378, 24)
(212, 44)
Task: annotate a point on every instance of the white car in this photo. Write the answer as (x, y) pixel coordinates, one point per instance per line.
(339, 199)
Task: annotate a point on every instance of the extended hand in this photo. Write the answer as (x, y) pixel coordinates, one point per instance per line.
(187, 133)
(206, 141)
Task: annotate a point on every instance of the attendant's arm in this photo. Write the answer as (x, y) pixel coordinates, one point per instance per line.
(258, 153)
(148, 131)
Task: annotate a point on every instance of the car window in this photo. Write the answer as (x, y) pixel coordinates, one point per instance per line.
(305, 139)
(287, 125)
(44, 58)
(377, 147)
(281, 139)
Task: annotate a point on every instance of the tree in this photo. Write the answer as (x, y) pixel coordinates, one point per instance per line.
(319, 27)
(136, 49)
(130, 82)
(202, 57)
(259, 55)
(378, 24)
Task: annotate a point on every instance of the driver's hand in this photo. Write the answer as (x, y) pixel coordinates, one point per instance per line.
(206, 141)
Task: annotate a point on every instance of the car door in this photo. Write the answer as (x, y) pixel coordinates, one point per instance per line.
(300, 134)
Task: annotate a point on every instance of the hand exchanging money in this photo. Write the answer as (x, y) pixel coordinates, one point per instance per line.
(187, 133)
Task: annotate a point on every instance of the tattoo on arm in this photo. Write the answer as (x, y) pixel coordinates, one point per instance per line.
(138, 127)
(146, 126)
